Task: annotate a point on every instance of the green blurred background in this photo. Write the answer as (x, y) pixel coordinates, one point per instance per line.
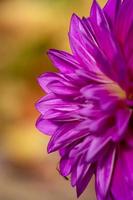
(28, 28)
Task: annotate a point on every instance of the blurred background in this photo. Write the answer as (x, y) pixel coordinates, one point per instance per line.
(28, 28)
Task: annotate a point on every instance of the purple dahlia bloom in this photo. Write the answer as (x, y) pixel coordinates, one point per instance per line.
(88, 107)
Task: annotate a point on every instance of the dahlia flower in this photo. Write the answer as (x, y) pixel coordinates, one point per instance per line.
(88, 107)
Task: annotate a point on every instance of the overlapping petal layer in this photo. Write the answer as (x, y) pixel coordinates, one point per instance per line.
(87, 109)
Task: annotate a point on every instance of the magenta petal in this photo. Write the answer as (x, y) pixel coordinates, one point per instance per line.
(124, 19)
(74, 177)
(122, 122)
(120, 187)
(66, 135)
(129, 137)
(126, 163)
(45, 79)
(61, 89)
(111, 9)
(51, 101)
(63, 61)
(82, 46)
(104, 173)
(45, 102)
(65, 166)
(58, 140)
(92, 77)
(129, 45)
(101, 28)
(46, 126)
(80, 149)
(108, 44)
(95, 147)
(109, 197)
(88, 107)
(85, 179)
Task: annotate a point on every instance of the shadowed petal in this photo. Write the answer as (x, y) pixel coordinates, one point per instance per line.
(128, 45)
(124, 20)
(67, 134)
(126, 162)
(65, 166)
(85, 179)
(104, 173)
(96, 146)
(111, 9)
(122, 182)
(122, 122)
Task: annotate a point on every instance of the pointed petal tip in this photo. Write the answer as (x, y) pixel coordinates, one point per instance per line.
(73, 22)
(95, 7)
(38, 124)
(96, 14)
(111, 9)
(49, 149)
(36, 105)
(78, 192)
(52, 147)
(39, 79)
(52, 51)
(95, 4)
(74, 16)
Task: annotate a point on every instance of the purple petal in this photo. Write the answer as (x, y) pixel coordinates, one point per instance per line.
(63, 61)
(108, 44)
(46, 126)
(81, 148)
(122, 122)
(122, 182)
(67, 134)
(52, 102)
(93, 92)
(45, 79)
(65, 166)
(104, 173)
(61, 134)
(126, 163)
(111, 9)
(61, 89)
(82, 47)
(96, 146)
(85, 179)
(124, 20)
(128, 46)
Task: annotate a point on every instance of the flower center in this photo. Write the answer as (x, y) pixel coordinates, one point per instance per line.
(118, 91)
(130, 100)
